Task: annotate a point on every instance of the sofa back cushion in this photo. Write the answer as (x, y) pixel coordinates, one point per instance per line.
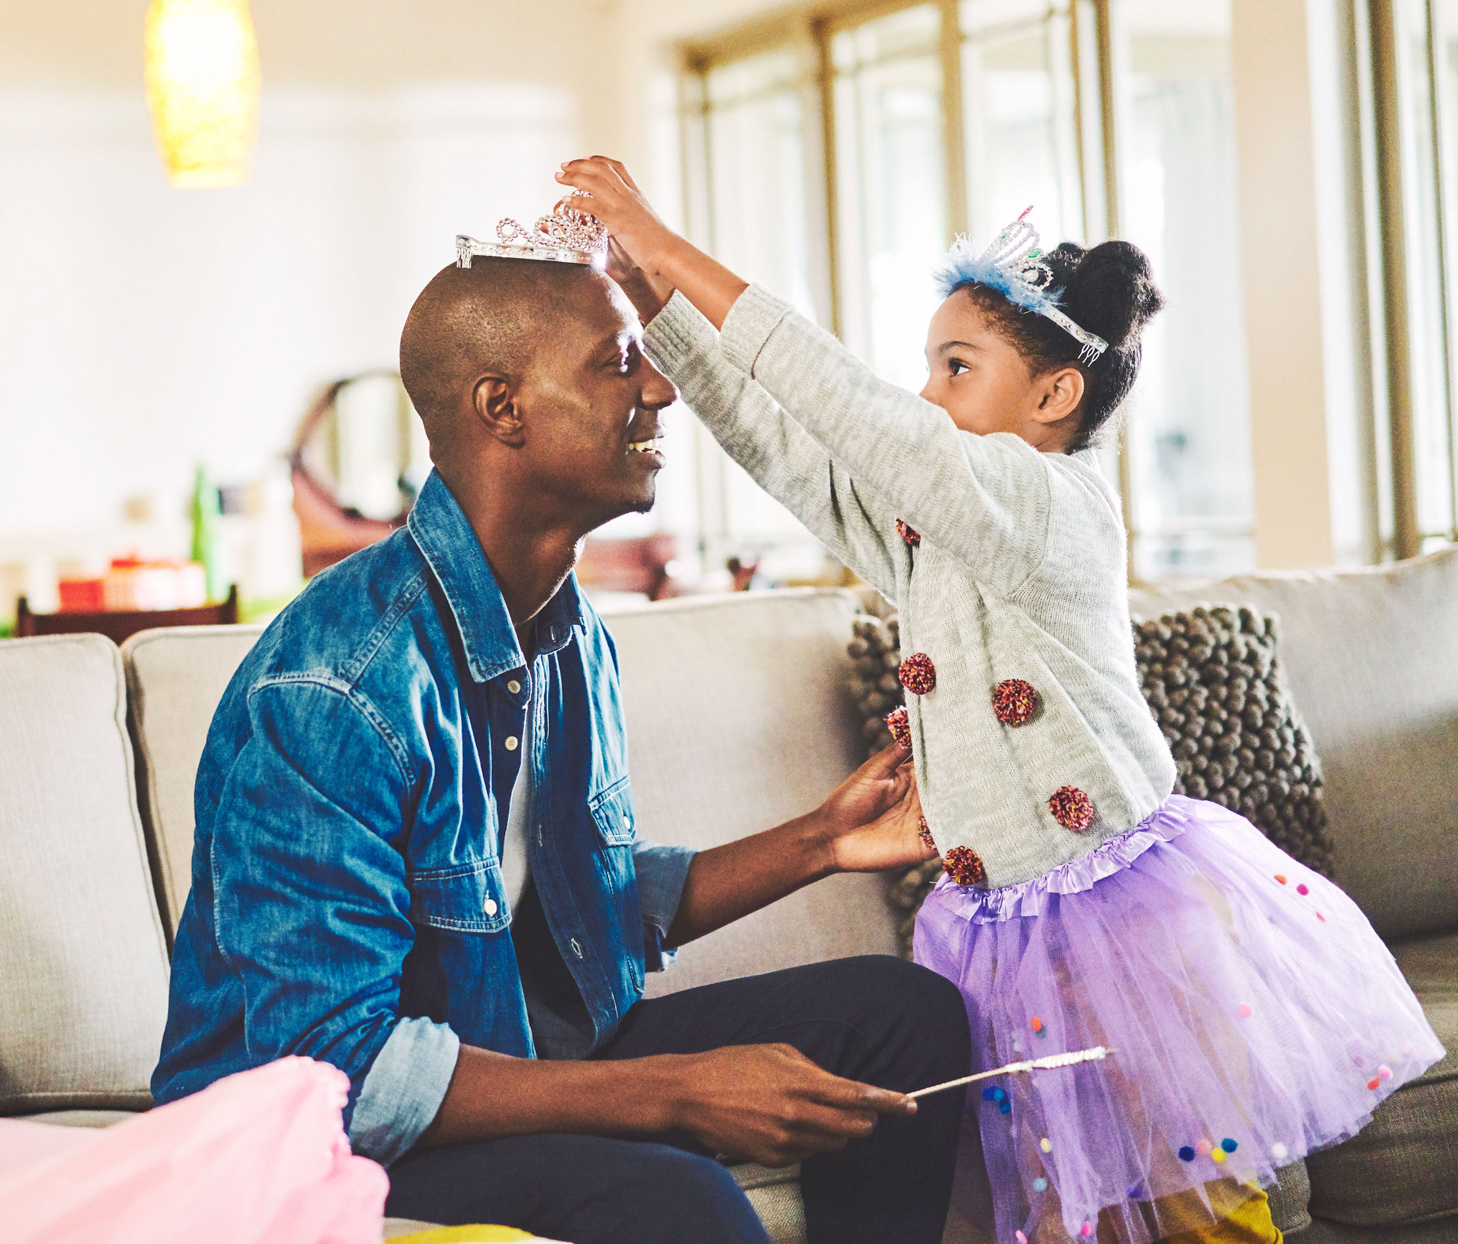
(739, 718)
(83, 959)
(1371, 659)
(175, 678)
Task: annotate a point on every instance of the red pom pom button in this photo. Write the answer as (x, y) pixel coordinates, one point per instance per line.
(900, 726)
(1071, 808)
(923, 831)
(964, 866)
(917, 673)
(909, 534)
(1014, 701)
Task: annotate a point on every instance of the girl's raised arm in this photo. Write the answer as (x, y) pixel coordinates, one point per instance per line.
(780, 455)
(986, 500)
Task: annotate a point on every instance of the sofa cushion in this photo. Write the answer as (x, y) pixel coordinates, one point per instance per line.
(1371, 658)
(1404, 1166)
(739, 718)
(1213, 681)
(83, 959)
(175, 678)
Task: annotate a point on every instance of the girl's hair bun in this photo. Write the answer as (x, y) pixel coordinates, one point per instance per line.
(1110, 291)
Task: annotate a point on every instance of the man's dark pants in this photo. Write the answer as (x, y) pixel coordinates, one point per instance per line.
(875, 1019)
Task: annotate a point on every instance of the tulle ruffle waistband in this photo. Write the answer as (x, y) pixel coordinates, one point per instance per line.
(1028, 898)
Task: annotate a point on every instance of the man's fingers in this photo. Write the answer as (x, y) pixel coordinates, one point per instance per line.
(852, 1095)
(885, 762)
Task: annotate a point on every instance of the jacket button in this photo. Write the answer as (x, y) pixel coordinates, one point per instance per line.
(576, 947)
(1014, 701)
(511, 742)
(909, 534)
(1071, 808)
(917, 673)
(627, 821)
(964, 866)
(514, 687)
(489, 906)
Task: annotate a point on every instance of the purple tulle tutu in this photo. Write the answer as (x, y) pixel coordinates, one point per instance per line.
(1256, 1017)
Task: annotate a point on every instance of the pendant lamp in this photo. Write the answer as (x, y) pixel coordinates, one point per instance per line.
(202, 88)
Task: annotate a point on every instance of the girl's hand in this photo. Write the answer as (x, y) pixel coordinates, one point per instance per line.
(606, 189)
(873, 816)
(648, 294)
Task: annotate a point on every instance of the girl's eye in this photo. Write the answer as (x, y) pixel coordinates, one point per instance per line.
(956, 366)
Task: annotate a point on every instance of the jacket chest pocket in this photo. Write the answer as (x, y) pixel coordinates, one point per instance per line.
(465, 898)
(612, 812)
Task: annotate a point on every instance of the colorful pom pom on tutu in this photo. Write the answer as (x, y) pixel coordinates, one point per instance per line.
(964, 866)
(909, 534)
(1014, 701)
(900, 726)
(917, 674)
(1071, 808)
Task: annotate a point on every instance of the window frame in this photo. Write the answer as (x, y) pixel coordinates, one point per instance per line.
(1091, 55)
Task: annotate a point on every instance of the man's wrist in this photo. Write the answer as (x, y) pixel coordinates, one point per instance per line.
(819, 833)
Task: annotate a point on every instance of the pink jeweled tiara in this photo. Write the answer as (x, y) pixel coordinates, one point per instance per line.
(564, 235)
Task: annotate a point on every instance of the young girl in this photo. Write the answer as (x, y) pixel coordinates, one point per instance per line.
(1255, 1014)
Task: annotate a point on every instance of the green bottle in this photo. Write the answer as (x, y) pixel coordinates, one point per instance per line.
(206, 509)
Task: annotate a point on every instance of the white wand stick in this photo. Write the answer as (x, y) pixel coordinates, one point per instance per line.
(1097, 1054)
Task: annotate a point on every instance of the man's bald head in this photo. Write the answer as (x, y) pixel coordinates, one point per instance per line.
(492, 317)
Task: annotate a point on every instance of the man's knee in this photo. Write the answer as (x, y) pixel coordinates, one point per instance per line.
(688, 1198)
(925, 1002)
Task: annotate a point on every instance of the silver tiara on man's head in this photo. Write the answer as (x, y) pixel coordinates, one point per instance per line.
(564, 235)
(1013, 266)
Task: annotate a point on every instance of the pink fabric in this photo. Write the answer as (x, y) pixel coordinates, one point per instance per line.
(258, 1158)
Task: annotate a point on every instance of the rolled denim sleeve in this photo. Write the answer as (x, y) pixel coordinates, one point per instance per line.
(661, 874)
(404, 1089)
(310, 905)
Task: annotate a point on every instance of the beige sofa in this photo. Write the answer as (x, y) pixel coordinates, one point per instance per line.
(739, 718)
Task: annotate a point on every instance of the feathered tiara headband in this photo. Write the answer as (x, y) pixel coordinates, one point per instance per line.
(1012, 265)
(564, 235)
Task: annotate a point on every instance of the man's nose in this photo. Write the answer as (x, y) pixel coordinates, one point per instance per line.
(658, 390)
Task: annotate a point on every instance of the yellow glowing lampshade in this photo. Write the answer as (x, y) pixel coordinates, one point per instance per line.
(202, 88)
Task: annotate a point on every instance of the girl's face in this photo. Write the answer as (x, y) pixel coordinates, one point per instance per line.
(978, 377)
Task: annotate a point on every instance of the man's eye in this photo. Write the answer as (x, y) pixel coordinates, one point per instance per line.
(623, 364)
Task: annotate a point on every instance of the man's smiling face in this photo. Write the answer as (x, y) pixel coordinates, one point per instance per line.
(590, 404)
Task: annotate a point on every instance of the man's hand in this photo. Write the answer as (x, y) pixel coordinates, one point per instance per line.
(762, 1103)
(872, 817)
(772, 1105)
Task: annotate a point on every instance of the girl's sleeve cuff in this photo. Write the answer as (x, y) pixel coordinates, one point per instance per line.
(751, 321)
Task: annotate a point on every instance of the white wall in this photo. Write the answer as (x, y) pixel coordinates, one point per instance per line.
(144, 330)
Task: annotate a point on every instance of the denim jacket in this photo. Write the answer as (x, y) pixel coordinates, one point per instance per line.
(347, 900)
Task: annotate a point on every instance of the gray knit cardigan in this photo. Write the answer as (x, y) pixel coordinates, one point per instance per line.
(1019, 575)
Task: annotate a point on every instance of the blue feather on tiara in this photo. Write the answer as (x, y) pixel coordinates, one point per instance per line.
(1013, 266)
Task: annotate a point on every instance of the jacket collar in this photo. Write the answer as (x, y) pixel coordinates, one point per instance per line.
(450, 547)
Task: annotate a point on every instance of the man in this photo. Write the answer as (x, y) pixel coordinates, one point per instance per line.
(415, 856)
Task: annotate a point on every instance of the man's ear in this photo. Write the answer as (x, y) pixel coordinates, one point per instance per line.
(495, 399)
(1062, 391)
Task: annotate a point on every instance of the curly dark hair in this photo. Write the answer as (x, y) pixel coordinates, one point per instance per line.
(1108, 290)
